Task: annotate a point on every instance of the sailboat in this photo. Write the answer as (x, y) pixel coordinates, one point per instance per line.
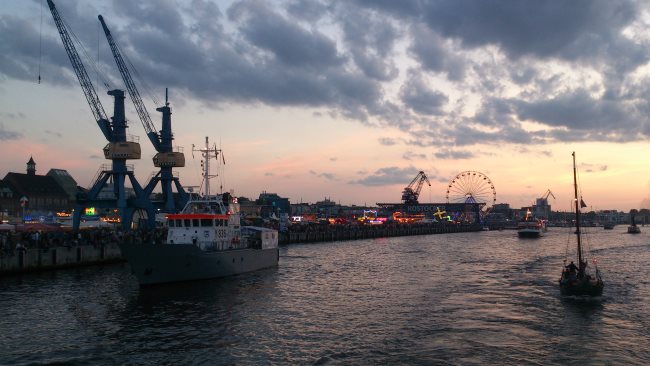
(633, 229)
(577, 280)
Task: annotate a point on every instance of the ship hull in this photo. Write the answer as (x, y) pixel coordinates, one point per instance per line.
(529, 233)
(585, 287)
(164, 263)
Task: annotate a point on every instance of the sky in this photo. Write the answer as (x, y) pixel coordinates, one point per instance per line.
(348, 100)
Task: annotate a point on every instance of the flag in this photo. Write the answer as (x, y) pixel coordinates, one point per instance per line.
(582, 203)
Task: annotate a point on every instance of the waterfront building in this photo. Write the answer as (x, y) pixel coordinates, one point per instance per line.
(503, 210)
(272, 204)
(66, 182)
(327, 208)
(541, 208)
(301, 209)
(7, 202)
(34, 194)
(248, 208)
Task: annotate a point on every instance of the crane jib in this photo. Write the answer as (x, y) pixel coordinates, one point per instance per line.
(133, 91)
(84, 80)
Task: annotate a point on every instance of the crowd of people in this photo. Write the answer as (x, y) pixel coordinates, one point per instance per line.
(11, 241)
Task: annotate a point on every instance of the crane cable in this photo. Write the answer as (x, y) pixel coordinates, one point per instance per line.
(94, 65)
(40, 45)
(139, 77)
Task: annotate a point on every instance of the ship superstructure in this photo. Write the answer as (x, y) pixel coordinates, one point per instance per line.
(205, 240)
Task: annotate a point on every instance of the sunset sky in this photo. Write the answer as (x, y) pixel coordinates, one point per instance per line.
(349, 100)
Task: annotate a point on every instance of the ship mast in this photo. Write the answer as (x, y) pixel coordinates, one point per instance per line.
(207, 153)
(575, 190)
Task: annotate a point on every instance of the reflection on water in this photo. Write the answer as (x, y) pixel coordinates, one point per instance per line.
(470, 298)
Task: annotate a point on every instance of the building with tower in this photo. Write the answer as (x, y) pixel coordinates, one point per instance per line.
(35, 195)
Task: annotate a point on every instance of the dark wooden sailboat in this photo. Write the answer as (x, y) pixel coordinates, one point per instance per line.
(577, 280)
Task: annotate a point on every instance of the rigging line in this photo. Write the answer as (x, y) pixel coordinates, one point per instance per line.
(137, 75)
(40, 45)
(96, 73)
(86, 54)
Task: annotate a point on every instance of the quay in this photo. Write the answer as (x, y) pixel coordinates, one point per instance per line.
(23, 252)
(336, 233)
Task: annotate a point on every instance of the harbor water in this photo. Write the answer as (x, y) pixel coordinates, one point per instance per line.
(473, 298)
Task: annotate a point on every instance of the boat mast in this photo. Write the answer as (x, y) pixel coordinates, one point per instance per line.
(575, 190)
(206, 154)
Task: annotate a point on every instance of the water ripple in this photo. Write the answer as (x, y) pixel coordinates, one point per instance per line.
(453, 299)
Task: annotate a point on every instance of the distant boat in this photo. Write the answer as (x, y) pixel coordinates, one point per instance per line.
(530, 227)
(577, 280)
(633, 229)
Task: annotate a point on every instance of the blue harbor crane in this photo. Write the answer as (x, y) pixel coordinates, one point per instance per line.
(119, 148)
(166, 158)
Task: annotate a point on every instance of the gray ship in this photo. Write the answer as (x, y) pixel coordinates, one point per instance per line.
(205, 240)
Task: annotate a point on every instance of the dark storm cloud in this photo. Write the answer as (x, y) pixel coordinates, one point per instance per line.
(370, 51)
(20, 56)
(544, 28)
(388, 176)
(594, 119)
(419, 97)
(308, 10)
(345, 60)
(576, 111)
(288, 42)
(432, 53)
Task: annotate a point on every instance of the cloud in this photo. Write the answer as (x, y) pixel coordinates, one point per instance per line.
(592, 168)
(370, 51)
(452, 73)
(388, 141)
(453, 154)
(575, 30)
(409, 155)
(430, 50)
(389, 176)
(53, 133)
(580, 112)
(281, 38)
(6, 135)
(307, 10)
(327, 176)
(419, 97)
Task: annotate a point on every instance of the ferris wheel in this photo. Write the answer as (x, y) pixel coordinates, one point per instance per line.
(472, 187)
